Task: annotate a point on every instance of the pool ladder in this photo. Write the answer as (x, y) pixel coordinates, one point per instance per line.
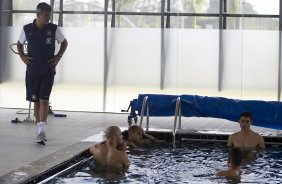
(177, 116)
(145, 105)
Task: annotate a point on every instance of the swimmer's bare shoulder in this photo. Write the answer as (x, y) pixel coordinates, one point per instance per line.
(231, 138)
(122, 156)
(94, 148)
(260, 140)
(125, 160)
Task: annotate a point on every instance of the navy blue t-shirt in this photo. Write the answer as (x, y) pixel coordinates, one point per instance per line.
(41, 47)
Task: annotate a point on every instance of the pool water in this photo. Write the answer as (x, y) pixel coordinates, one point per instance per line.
(188, 163)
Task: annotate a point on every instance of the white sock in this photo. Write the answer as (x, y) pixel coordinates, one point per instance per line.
(41, 127)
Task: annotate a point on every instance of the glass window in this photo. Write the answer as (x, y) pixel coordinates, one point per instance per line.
(270, 7)
(27, 4)
(138, 21)
(253, 7)
(253, 23)
(192, 6)
(83, 20)
(138, 6)
(82, 5)
(194, 22)
(56, 18)
(56, 6)
(21, 19)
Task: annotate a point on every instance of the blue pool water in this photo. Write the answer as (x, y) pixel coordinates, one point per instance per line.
(188, 163)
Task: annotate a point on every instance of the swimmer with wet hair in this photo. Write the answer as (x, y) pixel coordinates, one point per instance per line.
(135, 135)
(246, 139)
(234, 162)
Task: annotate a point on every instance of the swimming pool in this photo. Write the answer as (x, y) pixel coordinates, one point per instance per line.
(190, 162)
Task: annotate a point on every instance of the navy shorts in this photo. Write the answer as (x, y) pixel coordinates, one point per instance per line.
(38, 86)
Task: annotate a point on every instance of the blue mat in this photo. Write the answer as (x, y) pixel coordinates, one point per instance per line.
(265, 113)
(159, 105)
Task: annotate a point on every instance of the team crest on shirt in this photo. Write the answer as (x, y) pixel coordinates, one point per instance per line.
(49, 37)
(48, 41)
(49, 33)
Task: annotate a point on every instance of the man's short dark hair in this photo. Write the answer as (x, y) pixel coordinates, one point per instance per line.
(43, 7)
(246, 114)
(236, 157)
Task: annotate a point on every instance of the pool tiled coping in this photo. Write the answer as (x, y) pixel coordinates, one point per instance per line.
(47, 166)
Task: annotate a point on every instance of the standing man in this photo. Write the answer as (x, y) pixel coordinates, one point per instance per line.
(41, 62)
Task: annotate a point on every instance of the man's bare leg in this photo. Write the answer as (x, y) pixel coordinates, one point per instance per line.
(43, 114)
(36, 111)
(44, 110)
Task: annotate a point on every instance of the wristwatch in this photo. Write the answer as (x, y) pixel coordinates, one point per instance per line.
(60, 55)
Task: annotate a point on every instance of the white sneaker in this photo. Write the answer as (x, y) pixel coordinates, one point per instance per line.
(44, 136)
(40, 139)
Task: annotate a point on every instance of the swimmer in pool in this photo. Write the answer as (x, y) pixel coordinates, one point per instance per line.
(107, 155)
(135, 135)
(234, 162)
(246, 139)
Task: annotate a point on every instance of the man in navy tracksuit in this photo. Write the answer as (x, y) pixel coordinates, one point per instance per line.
(41, 62)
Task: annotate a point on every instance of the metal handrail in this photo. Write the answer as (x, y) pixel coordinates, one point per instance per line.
(145, 104)
(179, 114)
(28, 118)
(15, 44)
(176, 117)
